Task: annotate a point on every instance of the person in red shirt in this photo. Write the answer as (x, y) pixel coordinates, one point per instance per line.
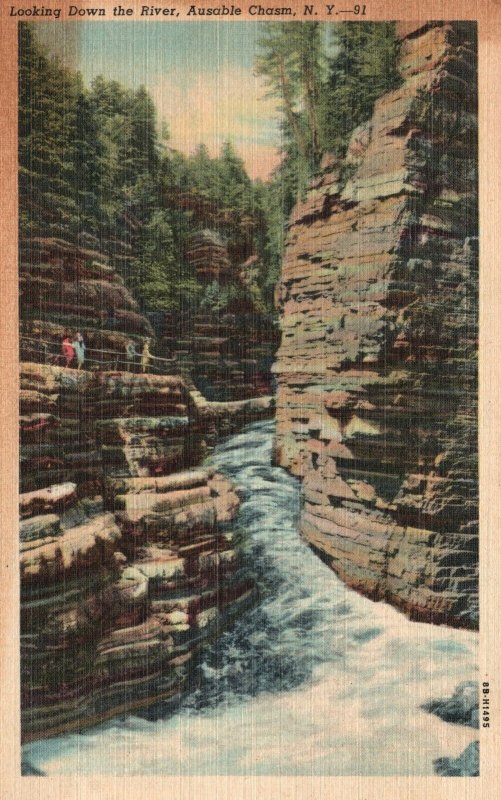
(68, 350)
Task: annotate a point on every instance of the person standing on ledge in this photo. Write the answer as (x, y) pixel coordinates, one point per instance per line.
(130, 355)
(145, 355)
(79, 348)
(68, 351)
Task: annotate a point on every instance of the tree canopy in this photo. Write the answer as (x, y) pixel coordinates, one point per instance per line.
(93, 163)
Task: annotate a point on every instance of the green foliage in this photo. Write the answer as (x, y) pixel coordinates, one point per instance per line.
(275, 198)
(222, 180)
(292, 61)
(327, 78)
(159, 280)
(85, 156)
(48, 105)
(363, 68)
(218, 299)
(91, 160)
(230, 203)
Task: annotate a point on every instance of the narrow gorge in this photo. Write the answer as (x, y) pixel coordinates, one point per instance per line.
(274, 425)
(376, 403)
(127, 560)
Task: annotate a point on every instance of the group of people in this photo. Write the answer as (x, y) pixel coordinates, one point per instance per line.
(74, 349)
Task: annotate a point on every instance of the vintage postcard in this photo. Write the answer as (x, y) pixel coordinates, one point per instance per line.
(250, 454)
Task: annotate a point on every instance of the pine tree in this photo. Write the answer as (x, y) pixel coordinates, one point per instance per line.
(363, 68)
(159, 279)
(306, 44)
(48, 97)
(292, 63)
(88, 155)
(277, 63)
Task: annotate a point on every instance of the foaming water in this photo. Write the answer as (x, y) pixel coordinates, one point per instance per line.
(315, 680)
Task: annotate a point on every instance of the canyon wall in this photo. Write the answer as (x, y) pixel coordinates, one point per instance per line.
(227, 356)
(127, 560)
(377, 374)
(63, 289)
(225, 347)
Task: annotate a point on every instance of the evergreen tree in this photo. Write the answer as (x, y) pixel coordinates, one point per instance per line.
(48, 98)
(88, 155)
(363, 68)
(306, 44)
(144, 138)
(277, 63)
(159, 280)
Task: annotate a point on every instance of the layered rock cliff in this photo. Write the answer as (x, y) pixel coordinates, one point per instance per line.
(64, 288)
(227, 356)
(376, 404)
(226, 347)
(127, 557)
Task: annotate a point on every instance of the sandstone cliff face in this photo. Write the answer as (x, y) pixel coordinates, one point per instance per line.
(64, 289)
(205, 250)
(376, 404)
(226, 347)
(127, 561)
(227, 356)
(127, 556)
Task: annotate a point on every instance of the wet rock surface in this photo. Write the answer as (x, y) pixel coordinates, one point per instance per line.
(376, 371)
(461, 708)
(467, 765)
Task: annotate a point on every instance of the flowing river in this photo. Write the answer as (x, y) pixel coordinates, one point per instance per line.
(315, 680)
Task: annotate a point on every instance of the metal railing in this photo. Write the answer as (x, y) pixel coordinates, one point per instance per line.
(96, 359)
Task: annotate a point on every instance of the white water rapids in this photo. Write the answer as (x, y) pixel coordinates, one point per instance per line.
(315, 680)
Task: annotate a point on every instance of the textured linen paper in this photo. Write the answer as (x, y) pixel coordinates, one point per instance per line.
(250, 440)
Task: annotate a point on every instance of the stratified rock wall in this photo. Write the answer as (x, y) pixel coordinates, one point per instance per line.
(376, 404)
(127, 560)
(227, 346)
(206, 252)
(227, 356)
(63, 289)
